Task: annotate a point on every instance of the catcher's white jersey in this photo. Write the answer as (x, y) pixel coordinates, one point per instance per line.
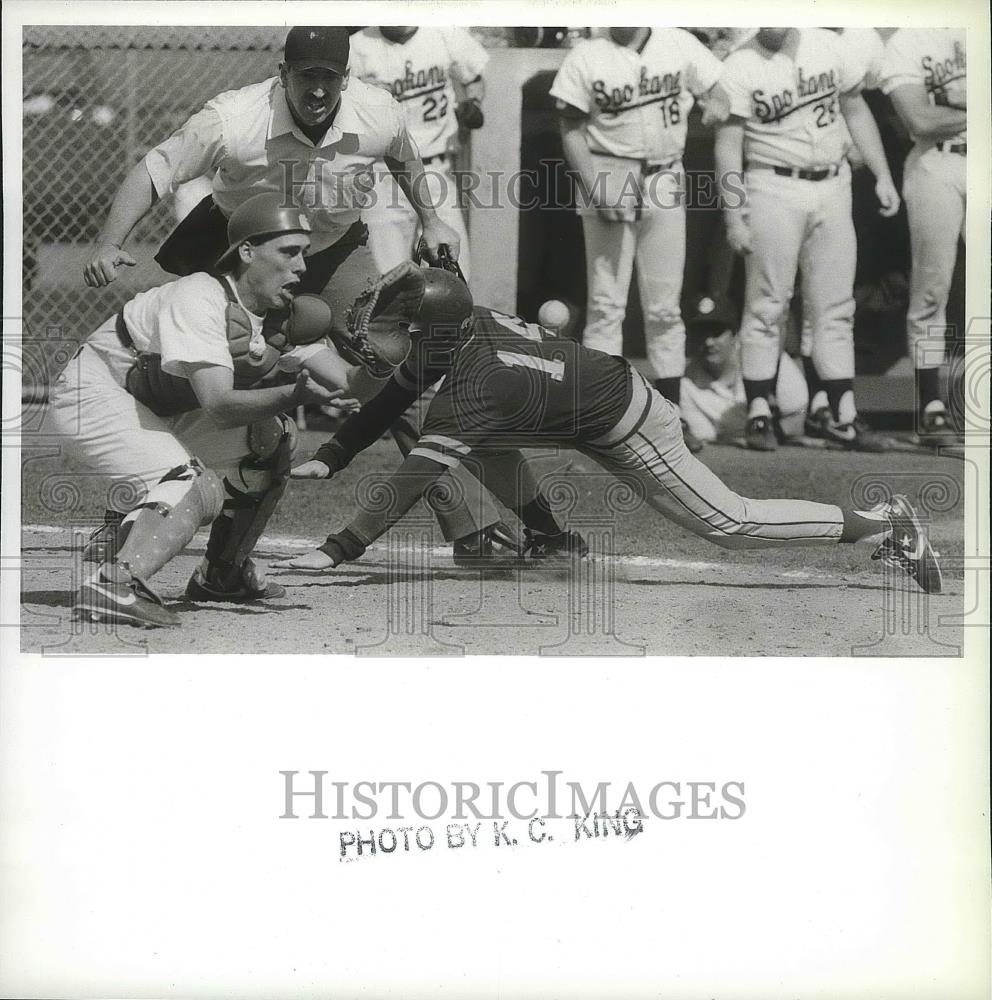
(419, 74)
(933, 57)
(638, 100)
(789, 100)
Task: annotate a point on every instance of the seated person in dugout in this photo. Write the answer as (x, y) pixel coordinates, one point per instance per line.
(713, 400)
(509, 384)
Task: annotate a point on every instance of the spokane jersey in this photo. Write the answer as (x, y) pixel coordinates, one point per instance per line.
(789, 100)
(514, 384)
(931, 57)
(419, 74)
(637, 100)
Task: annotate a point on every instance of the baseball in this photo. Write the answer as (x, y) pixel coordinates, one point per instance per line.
(554, 314)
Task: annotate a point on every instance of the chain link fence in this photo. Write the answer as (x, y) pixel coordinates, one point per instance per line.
(96, 99)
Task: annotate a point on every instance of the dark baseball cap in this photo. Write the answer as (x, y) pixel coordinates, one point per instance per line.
(327, 47)
(708, 313)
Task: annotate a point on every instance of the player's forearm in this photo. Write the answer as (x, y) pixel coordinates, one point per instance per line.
(576, 148)
(729, 155)
(410, 177)
(402, 490)
(134, 198)
(864, 132)
(241, 407)
(364, 428)
(935, 122)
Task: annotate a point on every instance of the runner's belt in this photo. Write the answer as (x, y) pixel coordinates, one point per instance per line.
(436, 158)
(953, 147)
(123, 334)
(654, 168)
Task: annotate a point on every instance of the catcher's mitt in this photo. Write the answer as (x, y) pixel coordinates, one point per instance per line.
(379, 321)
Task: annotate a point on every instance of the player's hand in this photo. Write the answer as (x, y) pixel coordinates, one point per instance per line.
(739, 236)
(102, 269)
(888, 197)
(314, 469)
(434, 234)
(716, 107)
(312, 560)
(309, 392)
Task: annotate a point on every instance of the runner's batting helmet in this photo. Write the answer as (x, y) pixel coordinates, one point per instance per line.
(260, 218)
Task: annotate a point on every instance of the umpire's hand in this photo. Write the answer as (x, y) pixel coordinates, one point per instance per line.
(102, 269)
(435, 233)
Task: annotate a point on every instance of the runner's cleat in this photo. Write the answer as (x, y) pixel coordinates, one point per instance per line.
(816, 423)
(566, 545)
(248, 585)
(101, 599)
(907, 547)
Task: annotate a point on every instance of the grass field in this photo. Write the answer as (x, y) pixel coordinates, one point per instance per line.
(657, 590)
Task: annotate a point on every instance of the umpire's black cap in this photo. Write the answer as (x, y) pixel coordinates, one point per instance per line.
(327, 47)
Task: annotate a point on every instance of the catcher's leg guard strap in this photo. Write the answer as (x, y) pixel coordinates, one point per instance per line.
(166, 520)
(252, 494)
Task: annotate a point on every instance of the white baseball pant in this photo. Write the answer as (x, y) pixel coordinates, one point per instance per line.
(646, 449)
(797, 222)
(934, 188)
(656, 241)
(394, 229)
(107, 432)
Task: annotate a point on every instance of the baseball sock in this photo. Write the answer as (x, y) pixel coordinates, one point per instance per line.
(861, 524)
(536, 515)
(670, 388)
(817, 394)
(928, 389)
(840, 394)
(758, 392)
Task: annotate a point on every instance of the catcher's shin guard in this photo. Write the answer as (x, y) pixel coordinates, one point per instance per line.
(160, 527)
(251, 497)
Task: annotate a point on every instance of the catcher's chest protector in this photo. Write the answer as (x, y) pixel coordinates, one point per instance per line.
(167, 395)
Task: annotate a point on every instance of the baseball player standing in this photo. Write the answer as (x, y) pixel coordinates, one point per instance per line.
(313, 134)
(624, 102)
(419, 67)
(792, 91)
(179, 398)
(924, 74)
(511, 384)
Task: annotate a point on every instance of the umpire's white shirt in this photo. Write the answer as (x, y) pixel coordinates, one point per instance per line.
(248, 141)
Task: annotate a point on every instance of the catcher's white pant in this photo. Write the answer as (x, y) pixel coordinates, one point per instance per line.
(935, 190)
(394, 229)
(796, 222)
(656, 241)
(651, 454)
(107, 432)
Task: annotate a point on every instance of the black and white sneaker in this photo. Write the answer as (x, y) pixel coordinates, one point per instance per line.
(936, 430)
(907, 547)
(759, 435)
(119, 602)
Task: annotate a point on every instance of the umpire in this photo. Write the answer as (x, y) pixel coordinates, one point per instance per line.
(310, 133)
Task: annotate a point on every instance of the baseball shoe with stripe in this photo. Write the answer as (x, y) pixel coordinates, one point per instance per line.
(855, 436)
(564, 546)
(126, 600)
(907, 547)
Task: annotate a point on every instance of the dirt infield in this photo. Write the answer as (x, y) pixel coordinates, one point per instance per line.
(650, 589)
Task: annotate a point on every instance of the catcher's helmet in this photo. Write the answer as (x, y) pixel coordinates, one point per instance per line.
(261, 217)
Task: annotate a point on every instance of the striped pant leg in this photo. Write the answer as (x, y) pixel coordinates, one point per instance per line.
(655, 460)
